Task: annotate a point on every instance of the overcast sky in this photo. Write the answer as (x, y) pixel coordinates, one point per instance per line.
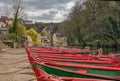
(42, 10)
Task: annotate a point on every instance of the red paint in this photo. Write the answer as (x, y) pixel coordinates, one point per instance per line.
(82, 71)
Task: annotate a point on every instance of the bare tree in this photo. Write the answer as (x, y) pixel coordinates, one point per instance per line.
(18, 12)
(18, 8)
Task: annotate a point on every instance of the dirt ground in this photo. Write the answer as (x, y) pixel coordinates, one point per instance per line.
(14, 66)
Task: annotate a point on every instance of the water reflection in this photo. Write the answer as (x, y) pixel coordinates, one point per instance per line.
(107, 50)
(111, 51)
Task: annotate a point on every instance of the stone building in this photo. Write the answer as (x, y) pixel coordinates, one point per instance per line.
(53, 38)
(4, 26)
(51, 28)
(5, 21)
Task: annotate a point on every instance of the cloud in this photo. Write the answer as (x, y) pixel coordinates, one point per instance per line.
(44, 10)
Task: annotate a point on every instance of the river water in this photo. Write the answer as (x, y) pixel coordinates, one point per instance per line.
(107, 50)
(111, 51)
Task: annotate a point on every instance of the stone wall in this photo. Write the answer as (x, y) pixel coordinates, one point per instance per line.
(11, 44)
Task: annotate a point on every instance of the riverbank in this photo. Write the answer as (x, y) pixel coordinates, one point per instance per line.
(14, 66)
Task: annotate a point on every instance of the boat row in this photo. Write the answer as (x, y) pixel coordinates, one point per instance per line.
(70, 64)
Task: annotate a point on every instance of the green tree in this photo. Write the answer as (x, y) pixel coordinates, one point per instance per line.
(18, 12)
(34, 35)
(112, 31)
(21, 30)
(93, 22)
(66, 29)
(11, 36)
